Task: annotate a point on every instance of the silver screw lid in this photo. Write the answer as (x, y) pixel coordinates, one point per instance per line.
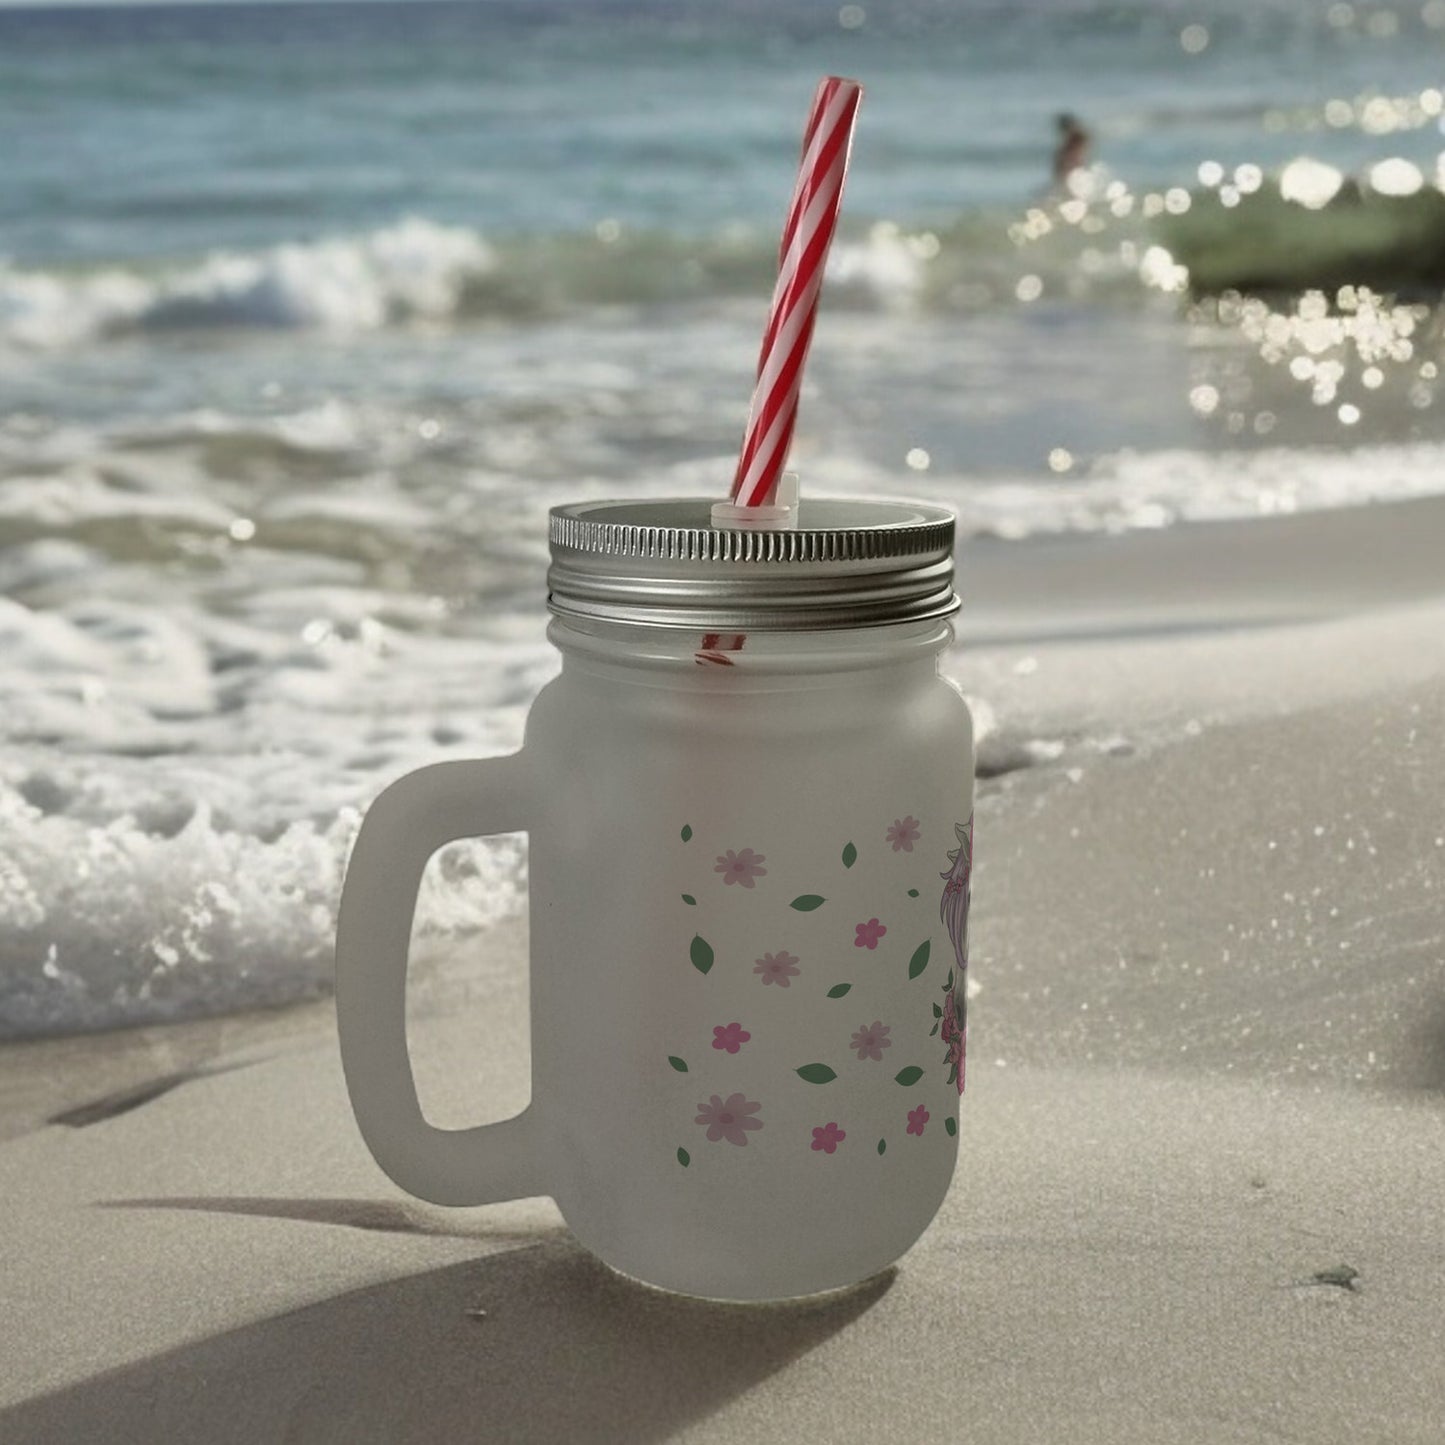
(847, 563)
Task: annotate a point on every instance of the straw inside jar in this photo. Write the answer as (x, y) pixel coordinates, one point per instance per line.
(807, 236)
(762, 494)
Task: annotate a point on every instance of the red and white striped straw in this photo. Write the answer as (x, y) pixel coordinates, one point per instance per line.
(807, 234)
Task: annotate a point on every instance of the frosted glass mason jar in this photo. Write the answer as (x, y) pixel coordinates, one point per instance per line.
(748, 797)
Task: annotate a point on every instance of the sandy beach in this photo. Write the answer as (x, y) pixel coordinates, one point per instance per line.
(310, 313)
(1203, 1145)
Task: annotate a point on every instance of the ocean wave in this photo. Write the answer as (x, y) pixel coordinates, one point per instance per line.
(143, 919)
(117, 924)
(420, 271)
(415, 270)
(186, 747)
(1146, 491)
(1104, 244)
(1314, 229)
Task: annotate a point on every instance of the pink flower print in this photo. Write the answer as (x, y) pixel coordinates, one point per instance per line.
(868, 933)
(828, 1138)
(871, 1040)
(779, 968)
(740, 867)
(730, 1037)
(728, 1118)
(903, 834)
(917, 1118)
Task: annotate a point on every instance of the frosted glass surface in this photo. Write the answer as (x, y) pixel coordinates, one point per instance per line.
(749, 892)
(738, 947)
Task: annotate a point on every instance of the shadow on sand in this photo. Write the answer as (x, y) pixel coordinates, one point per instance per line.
(1424, 1063)
(538, 1344)
(385, 1216)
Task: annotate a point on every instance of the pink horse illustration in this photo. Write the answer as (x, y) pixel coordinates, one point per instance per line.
(953, 911)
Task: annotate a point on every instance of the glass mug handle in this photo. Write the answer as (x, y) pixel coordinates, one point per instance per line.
(407, 823)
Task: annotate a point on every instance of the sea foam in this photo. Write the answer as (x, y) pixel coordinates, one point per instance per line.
(147, 919)
(416, 269)
(420, 270)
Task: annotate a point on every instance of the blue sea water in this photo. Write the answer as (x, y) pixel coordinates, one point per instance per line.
(308, 312)
(163, 132)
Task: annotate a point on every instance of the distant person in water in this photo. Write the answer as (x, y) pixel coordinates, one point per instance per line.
(1072, 151)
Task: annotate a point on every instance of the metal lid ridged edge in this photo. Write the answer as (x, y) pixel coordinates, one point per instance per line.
(704, 544)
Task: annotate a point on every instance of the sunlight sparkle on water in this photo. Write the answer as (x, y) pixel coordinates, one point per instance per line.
(1379, 116)
(1160, 270)
(1396, 177)
(1326, 344)
(1311, 183)
(1204, 400)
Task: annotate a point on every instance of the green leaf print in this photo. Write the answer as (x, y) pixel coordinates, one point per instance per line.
(818, 1074)
(919, 961)
(913, 893)
(937, 1012)
(850, 856)
(679, 1064)
(839, 989)
(689, 900)
(882, 1145)
(911, 1075)
(686, 832)
(807, 902)
(700, 953)
(684, 1158)
(951, 1124)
